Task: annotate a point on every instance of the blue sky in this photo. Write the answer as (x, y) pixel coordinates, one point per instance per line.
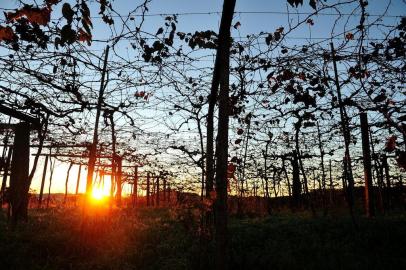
(250, 23)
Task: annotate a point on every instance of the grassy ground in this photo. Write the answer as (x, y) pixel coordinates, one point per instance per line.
(162, 239)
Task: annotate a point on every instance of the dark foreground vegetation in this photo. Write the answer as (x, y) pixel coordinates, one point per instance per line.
(285, 122)
(169, 239)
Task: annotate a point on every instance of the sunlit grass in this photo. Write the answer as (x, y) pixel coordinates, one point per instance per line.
(145, 238)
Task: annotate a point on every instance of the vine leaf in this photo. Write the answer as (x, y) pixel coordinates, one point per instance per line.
(295, 3)
(67, 12)
(40, 16)
(313, 4)
(349, 36)
(6, 33)
(160, 31)
(68, 35)
(390, 144)
(85, 37)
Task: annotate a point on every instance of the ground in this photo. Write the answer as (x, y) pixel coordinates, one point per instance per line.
(169, 239)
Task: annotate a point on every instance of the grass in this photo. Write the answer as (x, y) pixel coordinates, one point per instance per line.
(323, 243)
(163, 239)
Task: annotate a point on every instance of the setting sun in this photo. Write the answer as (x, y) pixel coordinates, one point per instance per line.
(97, 194)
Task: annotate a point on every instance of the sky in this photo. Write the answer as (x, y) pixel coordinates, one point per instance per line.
(254, 15)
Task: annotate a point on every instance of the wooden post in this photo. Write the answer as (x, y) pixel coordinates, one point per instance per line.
(323, 171)
(135, 187)
(220, 206)
(369, 205)
(93, 148)
(296, 185)
(287, 178)
(119, 161)
(113, 161)
(19, 182)
(66, 183)
(157, 190)
(102, 179)
(380, 182)
(77, 183)
(148, 202)
(345, 176)
(164, 189)
(388, 193)
(6, 172)
(346, 135)
(331, 183)
(3, 166)
(52, 167)
(44, 174)
(153, 197)
(246, 140)
(169, 193)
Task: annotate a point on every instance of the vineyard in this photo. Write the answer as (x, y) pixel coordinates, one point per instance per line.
(157, 134)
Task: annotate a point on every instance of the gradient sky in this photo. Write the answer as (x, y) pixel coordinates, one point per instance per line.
(250, 23)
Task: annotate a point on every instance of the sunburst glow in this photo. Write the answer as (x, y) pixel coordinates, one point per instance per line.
(98, 194)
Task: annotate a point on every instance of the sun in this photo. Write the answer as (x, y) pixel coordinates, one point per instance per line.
(97, 194)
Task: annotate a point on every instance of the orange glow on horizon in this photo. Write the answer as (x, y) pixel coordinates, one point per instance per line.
(98, 201)
(99, 194)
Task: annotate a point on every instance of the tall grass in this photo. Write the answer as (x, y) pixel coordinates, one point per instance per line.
(159, 238)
